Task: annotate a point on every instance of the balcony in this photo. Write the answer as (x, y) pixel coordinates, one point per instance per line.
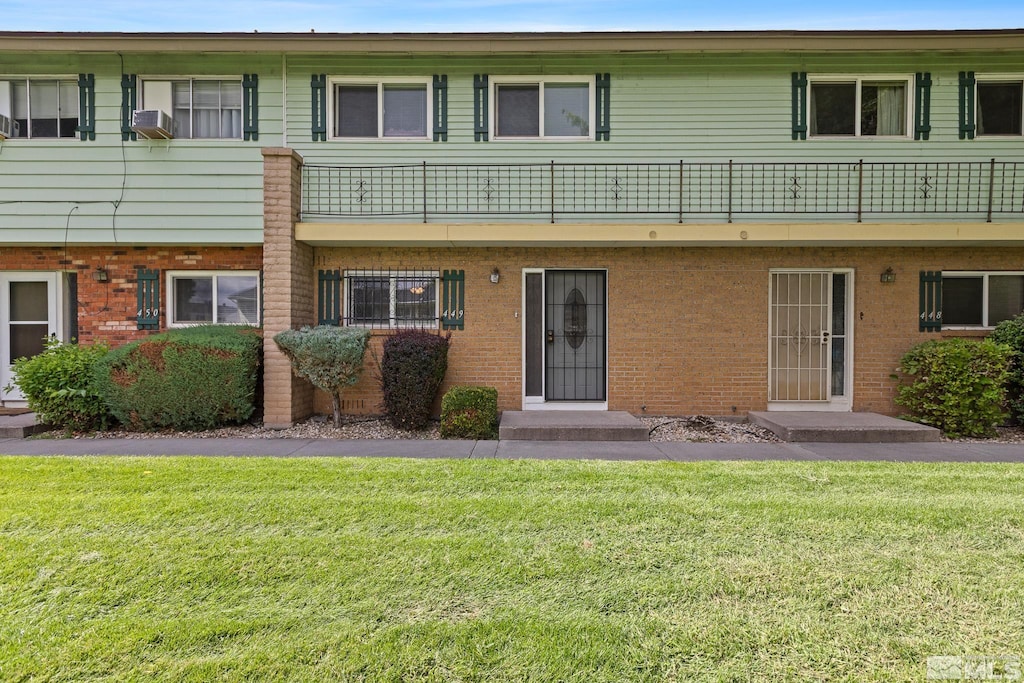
(704, 192)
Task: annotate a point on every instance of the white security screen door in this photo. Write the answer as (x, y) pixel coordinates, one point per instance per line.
(28, 315)
(808, 350)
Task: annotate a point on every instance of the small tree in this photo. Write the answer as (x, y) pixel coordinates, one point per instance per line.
(331, 358)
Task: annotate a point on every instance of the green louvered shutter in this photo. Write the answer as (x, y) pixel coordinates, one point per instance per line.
(87, 106)
(603, 102)
(930, 317)
(329, 297)
(129, 103)
(250, 107)
(440, 108)
(799, 80)
(453, 300)
(72, 289)
(318, 85)
(966, 101)
(922, 105)
(148, 313)
(480, 108)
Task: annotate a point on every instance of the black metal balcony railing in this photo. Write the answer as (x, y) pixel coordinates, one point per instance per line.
(684, 191)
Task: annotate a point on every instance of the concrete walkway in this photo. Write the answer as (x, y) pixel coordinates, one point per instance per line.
(541, 450)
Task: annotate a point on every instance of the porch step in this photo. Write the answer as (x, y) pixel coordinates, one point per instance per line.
(570, 425)
(19, 426)
(842, 427)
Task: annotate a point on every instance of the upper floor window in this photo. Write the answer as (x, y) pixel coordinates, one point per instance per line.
(199, 108)
(859, 107)
(549, 107)
(223, 297)
(981, 299)
(999, 106)
(380, 108)
(40, 107)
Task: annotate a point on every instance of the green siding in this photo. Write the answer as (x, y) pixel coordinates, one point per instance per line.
(664, 108)
(177, 191)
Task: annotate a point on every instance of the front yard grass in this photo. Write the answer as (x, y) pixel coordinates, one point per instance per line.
(397, 570)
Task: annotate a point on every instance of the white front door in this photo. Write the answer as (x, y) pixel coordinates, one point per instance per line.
(810, 340)
(29, 313)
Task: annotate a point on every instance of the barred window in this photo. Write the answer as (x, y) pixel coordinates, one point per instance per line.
(391, 299)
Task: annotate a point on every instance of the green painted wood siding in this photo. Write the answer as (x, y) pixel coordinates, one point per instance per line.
(664, 108)
(178, 191)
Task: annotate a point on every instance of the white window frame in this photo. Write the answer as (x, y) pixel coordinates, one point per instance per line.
(540, 81)
(394, 276)
(996, 78)
(984, 275)
(7, 102)
(172, 275)
(142, 104)
(860, 80)
(380, 82)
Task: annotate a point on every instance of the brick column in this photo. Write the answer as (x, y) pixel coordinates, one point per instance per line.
(288, 287)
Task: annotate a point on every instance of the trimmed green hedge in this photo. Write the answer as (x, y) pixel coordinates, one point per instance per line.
(470, 413)
(957, 385)
(1011, 333)
(189, 379)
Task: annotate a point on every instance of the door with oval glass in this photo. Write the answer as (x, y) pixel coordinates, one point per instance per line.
(809, 340)
(566, 337)
(28, 315)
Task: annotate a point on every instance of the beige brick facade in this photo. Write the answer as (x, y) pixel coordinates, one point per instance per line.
(687, 327)
(288, 286)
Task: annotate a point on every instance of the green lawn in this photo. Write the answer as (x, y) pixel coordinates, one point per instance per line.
(397, 570)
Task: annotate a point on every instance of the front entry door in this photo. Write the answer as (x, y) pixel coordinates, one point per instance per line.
(28, 315)
(809, 334)
(566, 338)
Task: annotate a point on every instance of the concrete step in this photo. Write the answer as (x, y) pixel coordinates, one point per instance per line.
(808, 426)
(19, 426)
(570, 425)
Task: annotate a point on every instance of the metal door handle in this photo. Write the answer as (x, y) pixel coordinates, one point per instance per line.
(824, 337)
(551, 336)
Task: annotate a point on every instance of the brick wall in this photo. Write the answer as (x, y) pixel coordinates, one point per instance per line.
(107, 310)
(288, 284)
(687, 327)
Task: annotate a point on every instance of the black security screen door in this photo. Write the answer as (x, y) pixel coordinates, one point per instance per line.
(575, 324)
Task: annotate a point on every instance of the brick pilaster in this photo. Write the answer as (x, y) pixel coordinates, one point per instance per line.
(288, 286)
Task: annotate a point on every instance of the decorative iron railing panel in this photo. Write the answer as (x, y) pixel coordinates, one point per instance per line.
(684, 190)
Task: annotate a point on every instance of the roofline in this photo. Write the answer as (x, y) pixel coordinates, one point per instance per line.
(520, 42)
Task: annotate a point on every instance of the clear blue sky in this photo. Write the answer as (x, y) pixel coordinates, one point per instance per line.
(501, 15)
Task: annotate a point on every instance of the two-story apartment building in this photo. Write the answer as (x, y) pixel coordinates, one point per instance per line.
(669, 223)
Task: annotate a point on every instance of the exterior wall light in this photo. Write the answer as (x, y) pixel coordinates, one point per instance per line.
(888, 275)
(100, 274)
(495, 276)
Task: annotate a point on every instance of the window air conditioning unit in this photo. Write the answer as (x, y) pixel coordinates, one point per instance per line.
(153, 124)
(8, 127)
